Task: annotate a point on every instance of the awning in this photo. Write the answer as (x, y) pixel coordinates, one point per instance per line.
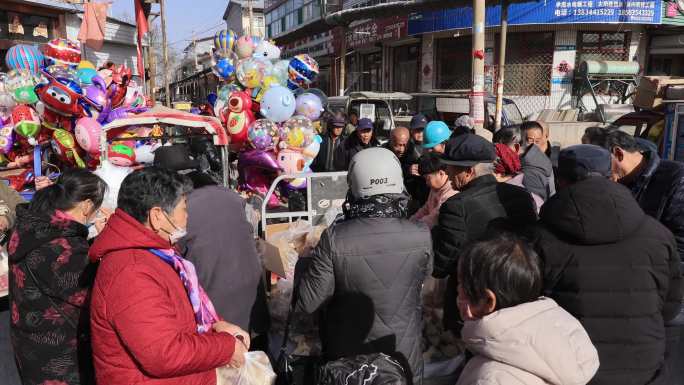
(164, 115)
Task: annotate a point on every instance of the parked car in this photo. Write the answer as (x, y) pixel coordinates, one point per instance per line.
(373, 105)
(448, 106)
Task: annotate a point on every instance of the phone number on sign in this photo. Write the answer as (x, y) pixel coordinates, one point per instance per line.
(611, 12)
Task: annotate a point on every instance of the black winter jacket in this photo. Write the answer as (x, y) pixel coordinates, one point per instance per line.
(464, 218)
(615, 269)
(346, 151)
(366, 276)
(659, 189)
(325, 160)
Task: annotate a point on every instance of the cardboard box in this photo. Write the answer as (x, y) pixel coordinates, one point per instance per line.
(652, 90)
(646, 99)
(276, 249)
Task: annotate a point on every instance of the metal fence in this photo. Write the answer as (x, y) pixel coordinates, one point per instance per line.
(523, 79)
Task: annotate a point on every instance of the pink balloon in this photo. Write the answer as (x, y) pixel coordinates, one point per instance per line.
(88, 132)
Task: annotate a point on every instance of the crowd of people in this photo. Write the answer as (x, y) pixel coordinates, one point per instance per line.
(556, 266)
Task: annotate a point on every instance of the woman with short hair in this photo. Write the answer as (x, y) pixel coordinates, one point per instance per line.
(152, 322)
(50, 280)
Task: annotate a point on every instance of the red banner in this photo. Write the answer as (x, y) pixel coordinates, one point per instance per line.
(371, 32)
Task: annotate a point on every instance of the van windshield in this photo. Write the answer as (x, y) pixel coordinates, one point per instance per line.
(383, 116)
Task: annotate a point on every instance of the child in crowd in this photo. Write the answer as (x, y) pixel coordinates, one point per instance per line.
(434, 172)
(517, 336)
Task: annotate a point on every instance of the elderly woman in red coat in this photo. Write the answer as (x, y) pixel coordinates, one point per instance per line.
(151, 321)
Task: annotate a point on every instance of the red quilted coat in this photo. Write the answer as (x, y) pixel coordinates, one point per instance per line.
(143, 326)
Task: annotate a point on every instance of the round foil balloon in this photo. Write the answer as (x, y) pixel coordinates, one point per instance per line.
(224, 40)
(244, 47)
(21, 85)
(261, 134)
(309, 105)
(250, 72)
(24, 57)
(62, 51)
(88, 132)
(224, 67)
(277, 104)
(226, 89)
(297, 132)
(303, 70)
(65, 146)
(280, 71)
(121, 154)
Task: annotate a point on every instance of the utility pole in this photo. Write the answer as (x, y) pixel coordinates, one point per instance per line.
(502, 64)
(477, 92)
(165, 48)
(251, 17)
(343, 59)
(194, 48)
(152, 63)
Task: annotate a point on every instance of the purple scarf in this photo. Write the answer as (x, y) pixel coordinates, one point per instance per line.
(205, 314)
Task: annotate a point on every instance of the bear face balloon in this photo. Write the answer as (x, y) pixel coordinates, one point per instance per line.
(266, 50)
(239, 117)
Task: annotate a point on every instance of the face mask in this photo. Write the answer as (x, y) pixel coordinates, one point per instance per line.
(177, 234)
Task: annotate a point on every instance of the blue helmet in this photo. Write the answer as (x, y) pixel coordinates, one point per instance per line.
(436, 132)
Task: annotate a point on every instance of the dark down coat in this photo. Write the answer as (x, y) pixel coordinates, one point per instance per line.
(366, 276)
(615, 269)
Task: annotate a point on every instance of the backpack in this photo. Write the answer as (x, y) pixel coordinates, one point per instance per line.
(367, 369)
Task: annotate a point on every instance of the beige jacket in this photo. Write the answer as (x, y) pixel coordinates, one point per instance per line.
(530, 344)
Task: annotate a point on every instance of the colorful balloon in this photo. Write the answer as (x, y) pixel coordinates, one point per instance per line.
(62, 51)
(6, 137)
(25, 57)
(280, 71)
(21, 85)
(244, 47)
(226, 89)
(62, 95)
(224, 40)
(26, 122)
(250, 72)
(303, 70)
(65, 146)
(309, 105)
(121, 154)
(297, 132)
(224, 67)
(88, 131)
(261, 134)
(277, 104)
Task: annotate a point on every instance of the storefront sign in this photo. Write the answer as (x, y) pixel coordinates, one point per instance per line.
(373, 31)
(547, 12)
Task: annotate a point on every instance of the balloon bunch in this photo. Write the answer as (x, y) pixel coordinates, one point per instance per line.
(52, 96)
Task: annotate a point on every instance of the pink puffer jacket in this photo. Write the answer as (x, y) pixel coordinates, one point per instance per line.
(429, 213)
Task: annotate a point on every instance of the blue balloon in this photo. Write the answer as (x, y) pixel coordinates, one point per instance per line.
(85, 75)
(278, 104)
(224, 68)
(211, 98)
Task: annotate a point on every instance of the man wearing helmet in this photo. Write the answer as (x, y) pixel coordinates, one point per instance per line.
(366, 272)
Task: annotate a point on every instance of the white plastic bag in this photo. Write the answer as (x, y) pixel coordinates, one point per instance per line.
(257, 370)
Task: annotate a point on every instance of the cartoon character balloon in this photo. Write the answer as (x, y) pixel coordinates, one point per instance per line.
(21, 85)
(25, 57)
(88, 131)
(224, 40)
(266, 50)
(63, 99)
(26, 122)
(96, 93)
(292, 162)
(63, 52)
(250, 72)
(239, 117)
(309, 105)
(278, 104)
(262, 134)
(311, 151)
(303, 70)
(116, 91)
(244, 47)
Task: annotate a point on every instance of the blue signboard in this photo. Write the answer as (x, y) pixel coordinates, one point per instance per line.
(544, 12)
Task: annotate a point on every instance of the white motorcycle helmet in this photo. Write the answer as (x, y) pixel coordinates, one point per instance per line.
(375, 171)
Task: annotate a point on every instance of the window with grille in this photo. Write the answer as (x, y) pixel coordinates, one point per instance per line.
(529, 63)
(602, 46)
(454, 63)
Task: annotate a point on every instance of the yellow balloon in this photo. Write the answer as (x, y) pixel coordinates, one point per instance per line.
(295, 138)
(85, 64)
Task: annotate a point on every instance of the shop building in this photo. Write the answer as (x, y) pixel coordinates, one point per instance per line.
(666, 42)
(237, 17)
